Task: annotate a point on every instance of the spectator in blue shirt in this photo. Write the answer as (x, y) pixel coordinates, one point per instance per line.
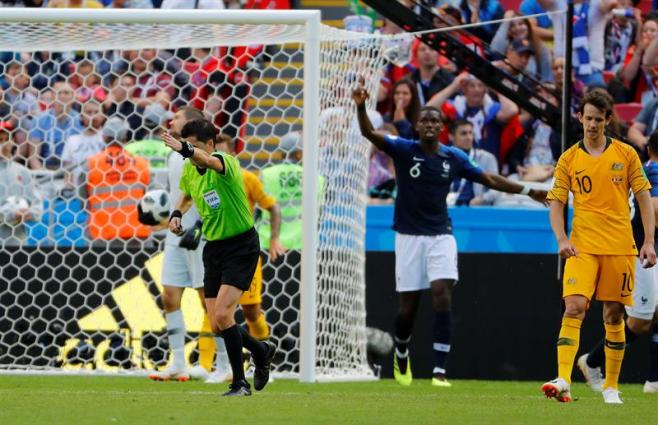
(476, 106)
(544, 25)
(52, 127)
(476, 11)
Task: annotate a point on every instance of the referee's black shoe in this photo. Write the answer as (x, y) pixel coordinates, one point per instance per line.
(239, 388)
(262, 370)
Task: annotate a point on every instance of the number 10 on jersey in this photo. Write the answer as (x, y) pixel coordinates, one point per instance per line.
(584, 184)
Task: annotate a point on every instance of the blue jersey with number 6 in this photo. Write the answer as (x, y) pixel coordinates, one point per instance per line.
(423, 185)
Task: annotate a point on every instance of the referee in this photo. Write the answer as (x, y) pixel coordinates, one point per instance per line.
(213, 181)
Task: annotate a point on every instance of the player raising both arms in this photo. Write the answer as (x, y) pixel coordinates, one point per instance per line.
(599, 171)
(213, 182)
(425, 250)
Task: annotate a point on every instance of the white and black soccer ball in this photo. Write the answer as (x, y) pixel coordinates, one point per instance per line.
(154, 207)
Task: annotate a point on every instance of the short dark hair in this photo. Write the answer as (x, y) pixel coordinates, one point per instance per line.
(192, 113)
(653, 143)
(431, 108)
(203, 130)
(452, 128)
(600, 99)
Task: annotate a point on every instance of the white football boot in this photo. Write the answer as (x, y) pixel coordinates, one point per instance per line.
(558, 389)
(593, 375)
(611, 396)
(651, 387)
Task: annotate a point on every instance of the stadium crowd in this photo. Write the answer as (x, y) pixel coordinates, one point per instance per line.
(59, 109)
(63, 113)
(615, 47)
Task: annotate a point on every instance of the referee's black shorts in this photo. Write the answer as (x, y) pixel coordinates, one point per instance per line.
(230, 261)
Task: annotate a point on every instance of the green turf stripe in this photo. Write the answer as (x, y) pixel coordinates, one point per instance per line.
(132, 400)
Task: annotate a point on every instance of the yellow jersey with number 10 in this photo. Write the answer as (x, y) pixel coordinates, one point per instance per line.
(601, 222)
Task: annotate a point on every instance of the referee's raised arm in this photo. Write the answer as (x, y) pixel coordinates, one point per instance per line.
(360, 95)
(199, 146)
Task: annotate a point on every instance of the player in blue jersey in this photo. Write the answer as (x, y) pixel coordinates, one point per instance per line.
(425, 250)
(642, 315)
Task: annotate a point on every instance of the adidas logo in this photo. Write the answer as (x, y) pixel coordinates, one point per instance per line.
(138, 307)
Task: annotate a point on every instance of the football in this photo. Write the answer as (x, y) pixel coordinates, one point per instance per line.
(154, 207)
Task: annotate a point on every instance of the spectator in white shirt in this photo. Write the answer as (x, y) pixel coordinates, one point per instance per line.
(79, 147)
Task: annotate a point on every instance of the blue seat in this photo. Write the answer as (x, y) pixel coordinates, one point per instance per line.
(62, 224)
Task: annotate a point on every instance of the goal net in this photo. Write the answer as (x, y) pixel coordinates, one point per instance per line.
(75, 299)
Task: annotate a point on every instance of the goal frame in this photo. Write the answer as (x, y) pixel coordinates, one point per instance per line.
(311, 20)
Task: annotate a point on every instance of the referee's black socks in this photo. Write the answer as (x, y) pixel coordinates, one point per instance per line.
(257, 348)
(233, 340)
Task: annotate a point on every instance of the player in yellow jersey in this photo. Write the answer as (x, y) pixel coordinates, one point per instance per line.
(251, 299)
(599, 171)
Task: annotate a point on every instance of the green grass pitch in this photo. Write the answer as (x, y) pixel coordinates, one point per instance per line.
(39, 400)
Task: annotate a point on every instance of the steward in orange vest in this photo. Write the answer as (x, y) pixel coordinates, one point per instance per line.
(116, 181)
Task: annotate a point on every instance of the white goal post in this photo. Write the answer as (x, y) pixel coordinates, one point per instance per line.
(331, 339)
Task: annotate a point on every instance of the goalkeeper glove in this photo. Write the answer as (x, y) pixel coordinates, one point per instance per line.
(191, 237)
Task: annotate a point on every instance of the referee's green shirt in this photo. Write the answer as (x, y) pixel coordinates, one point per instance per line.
(220, 198)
